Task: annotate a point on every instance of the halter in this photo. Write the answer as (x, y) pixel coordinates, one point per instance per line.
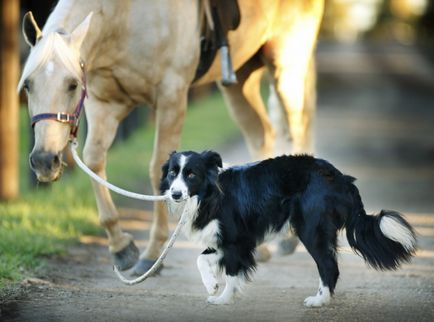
(63, 117)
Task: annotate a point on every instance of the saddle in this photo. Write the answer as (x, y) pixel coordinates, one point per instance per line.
(221, 16)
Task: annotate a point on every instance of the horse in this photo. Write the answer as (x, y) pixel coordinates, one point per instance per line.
(125, 53)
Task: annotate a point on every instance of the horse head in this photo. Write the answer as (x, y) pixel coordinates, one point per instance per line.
(52, 78)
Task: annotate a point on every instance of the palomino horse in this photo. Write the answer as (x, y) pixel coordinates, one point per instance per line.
(147, 52)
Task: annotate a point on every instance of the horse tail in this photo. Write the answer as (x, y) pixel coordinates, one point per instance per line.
(384, 240)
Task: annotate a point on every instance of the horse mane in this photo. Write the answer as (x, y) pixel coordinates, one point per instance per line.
(51, 45)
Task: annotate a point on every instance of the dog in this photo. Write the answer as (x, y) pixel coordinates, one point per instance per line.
(237, 208)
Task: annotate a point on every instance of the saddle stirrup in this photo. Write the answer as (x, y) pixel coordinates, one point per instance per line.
(228, 73)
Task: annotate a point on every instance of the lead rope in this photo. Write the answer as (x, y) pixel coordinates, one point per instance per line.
(188, 204)
(74, 144)
(160, 259)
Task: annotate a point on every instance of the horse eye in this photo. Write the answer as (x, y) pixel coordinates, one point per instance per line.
(72, 87)
(26, 85)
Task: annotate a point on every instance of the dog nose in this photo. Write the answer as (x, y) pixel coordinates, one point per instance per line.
(176, 195)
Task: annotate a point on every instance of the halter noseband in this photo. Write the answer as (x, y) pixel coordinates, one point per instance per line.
(63, 117)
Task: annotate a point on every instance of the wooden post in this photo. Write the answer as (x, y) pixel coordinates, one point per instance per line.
(9, 70)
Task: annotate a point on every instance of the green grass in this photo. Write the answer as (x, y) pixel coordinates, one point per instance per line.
(45, 220)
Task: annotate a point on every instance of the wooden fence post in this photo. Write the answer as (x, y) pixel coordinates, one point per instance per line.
(9, 71)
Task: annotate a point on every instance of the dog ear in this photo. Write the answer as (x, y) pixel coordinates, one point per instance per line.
(164, 185)
(165, 167)
(212, 158)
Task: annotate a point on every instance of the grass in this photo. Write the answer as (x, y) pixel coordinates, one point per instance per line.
(45, 220)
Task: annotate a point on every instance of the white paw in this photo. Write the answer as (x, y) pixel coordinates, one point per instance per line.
(316, 301)
(212, 288)
(218, 300)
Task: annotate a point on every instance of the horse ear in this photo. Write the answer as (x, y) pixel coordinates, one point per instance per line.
(212, 158)
(31, 31)
(80, 32)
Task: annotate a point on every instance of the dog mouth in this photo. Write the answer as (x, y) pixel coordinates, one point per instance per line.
(177, 196)
(178, 199)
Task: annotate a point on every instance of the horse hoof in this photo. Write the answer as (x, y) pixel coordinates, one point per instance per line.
(127, 257)
(287, 246)
(143, 265)
(262, 254)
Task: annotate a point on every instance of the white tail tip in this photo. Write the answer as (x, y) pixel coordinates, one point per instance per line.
(393, 229)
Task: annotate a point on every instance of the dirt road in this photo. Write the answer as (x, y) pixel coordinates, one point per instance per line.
(375, 122)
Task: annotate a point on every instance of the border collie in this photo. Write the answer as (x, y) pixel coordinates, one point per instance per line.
(236, 209)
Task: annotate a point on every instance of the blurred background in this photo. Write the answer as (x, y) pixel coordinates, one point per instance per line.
(375, 121)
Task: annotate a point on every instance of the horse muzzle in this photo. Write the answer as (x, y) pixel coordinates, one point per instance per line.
(46, 165)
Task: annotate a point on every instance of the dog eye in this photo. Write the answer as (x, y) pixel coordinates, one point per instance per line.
(191, 175)
(172, 173)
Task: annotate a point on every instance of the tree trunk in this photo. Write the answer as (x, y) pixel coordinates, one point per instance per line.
(9, 70)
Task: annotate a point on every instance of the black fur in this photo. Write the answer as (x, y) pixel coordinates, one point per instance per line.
(313, 196)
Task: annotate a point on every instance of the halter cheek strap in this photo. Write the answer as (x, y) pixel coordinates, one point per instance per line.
(67, 118)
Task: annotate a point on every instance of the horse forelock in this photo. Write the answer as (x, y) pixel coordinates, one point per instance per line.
(52, 45)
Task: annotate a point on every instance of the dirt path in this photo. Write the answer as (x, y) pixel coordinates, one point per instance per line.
(82, 287)
(365, 127)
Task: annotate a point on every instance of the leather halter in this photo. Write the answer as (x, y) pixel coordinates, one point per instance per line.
(63, 117)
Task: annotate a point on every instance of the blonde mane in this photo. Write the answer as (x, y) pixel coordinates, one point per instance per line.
(50, 46)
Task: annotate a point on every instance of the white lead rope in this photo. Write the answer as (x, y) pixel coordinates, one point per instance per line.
(94, 176)
(97, 178)
(141, 278)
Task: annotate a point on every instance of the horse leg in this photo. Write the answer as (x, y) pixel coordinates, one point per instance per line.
(292, 100)
(169, 118)
(279, 119)
(294, 126)
(103, 120)
(247, 108)
(289, 57)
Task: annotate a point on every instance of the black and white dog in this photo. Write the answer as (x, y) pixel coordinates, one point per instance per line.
(234, 210)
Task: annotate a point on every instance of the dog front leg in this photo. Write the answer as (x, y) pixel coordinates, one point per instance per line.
(233, 285)
(207, 265)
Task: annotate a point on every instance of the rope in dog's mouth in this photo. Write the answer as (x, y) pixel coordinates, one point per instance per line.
(181, 222)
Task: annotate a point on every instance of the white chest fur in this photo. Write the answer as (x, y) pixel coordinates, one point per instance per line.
(206, 237)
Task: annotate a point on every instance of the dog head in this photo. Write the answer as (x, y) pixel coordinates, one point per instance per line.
(188, 174)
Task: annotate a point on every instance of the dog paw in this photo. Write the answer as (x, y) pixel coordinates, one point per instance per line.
(212, 288)
(316, 301)
(218, 300)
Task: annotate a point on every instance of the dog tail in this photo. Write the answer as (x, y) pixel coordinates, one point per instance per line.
(384, 240)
